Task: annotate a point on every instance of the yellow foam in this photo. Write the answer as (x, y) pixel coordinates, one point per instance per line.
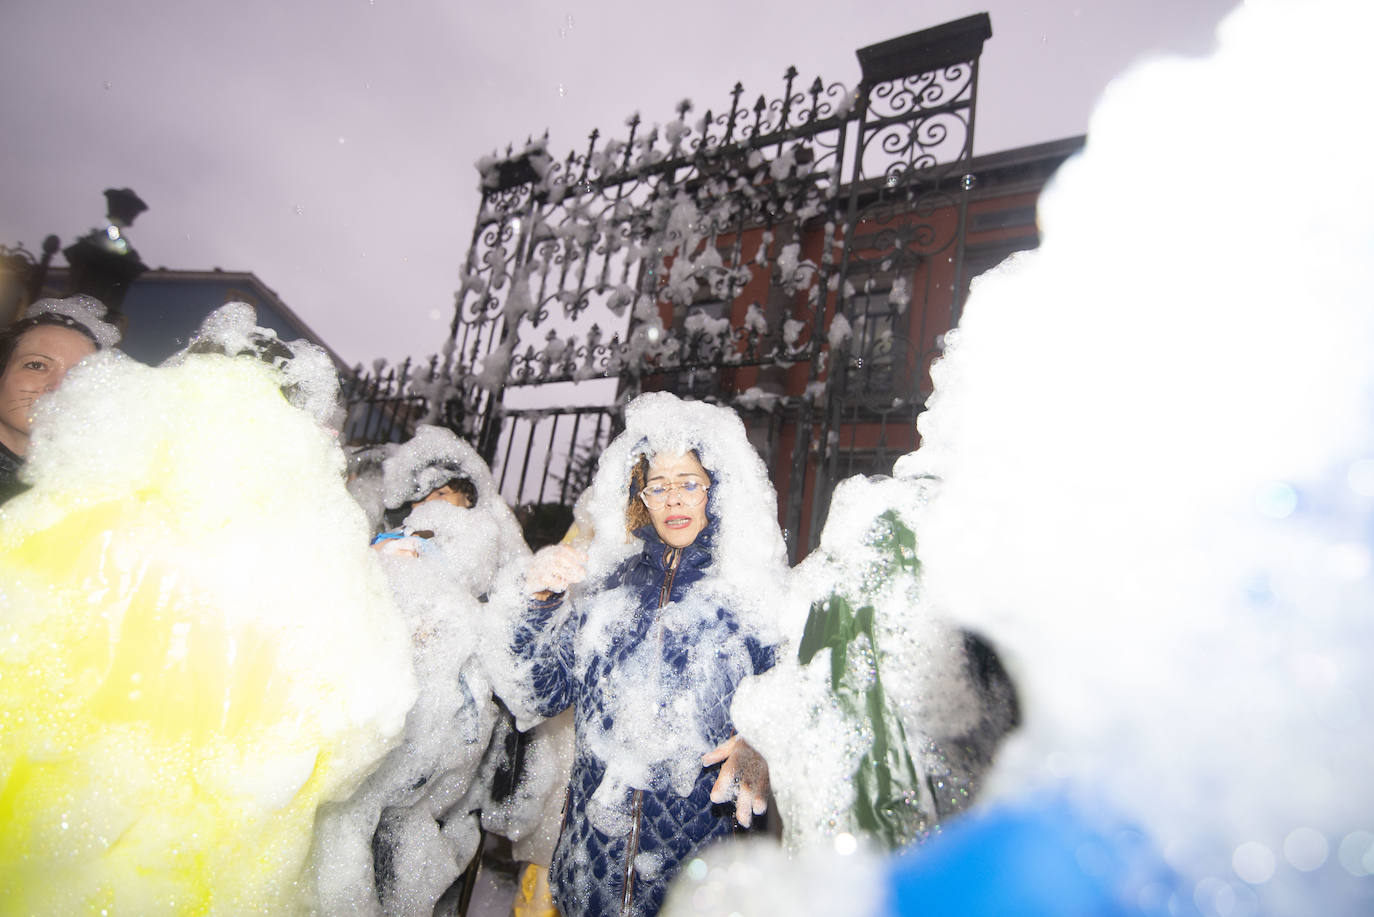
(167, 730)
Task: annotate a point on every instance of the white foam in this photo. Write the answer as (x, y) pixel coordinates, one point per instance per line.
(1145, 430)
(919, 656)
(305, 372)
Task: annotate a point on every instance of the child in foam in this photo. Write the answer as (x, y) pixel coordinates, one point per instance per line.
(456, 490)
(400, 841)
(647, 636)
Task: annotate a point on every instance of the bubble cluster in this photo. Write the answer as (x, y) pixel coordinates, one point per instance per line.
(167, 579)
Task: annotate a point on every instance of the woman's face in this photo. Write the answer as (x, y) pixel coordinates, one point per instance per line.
(682, 515)
(40, 360)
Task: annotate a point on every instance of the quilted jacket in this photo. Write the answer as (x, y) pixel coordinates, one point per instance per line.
(625, 868)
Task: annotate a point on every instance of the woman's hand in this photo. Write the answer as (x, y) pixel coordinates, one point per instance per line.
(554, 569)
(743, 777)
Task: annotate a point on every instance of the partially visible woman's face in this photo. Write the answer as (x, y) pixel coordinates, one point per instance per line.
(677, 521)
(448, 494)
(40, 361)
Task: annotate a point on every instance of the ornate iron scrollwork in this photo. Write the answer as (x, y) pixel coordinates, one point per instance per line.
(731, 243)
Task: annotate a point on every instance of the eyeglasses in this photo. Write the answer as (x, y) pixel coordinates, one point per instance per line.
(692, 493)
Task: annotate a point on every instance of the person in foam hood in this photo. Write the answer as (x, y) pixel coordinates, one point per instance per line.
(402, 839)
(35, 354)
(304, 371)
(646, 636)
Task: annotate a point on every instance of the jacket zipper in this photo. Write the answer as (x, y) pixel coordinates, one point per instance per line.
(627, 891)
(627, 888)
(670, 562)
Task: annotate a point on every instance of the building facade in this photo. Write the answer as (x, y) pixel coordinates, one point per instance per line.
(161, 309)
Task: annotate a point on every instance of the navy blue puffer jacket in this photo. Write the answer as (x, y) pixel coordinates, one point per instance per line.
(652, 645)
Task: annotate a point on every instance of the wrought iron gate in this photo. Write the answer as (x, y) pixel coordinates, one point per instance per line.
(796, 258)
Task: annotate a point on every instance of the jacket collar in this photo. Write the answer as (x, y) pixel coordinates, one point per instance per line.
(697, 554)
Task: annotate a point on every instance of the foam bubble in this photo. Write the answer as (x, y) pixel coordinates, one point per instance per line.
(1306, 849)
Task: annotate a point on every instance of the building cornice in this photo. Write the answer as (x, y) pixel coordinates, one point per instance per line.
(245, 279)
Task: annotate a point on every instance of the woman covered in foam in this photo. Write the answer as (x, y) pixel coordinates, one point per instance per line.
(647, 634)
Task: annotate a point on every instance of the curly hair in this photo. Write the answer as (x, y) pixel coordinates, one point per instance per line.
(636, 513)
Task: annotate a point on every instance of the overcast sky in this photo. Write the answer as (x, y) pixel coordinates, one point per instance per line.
(328, 145)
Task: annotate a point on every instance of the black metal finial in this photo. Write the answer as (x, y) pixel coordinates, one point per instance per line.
(122, 206)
